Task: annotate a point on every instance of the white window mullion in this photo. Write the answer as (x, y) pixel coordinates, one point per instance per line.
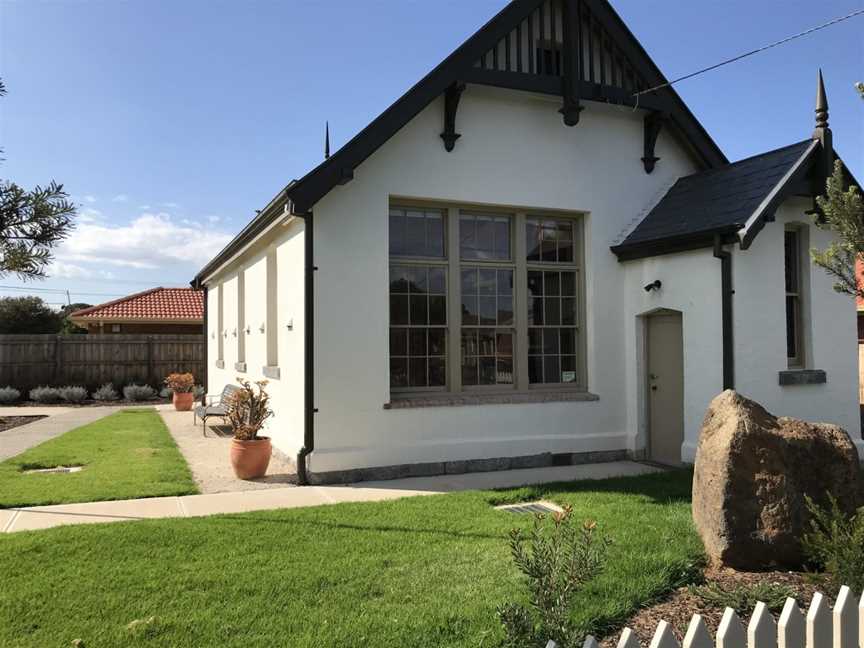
(520, 304)
(454, 316)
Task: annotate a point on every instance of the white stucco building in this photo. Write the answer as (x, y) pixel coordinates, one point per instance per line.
(522, 263)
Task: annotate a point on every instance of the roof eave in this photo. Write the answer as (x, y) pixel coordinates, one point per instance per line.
(674, 244)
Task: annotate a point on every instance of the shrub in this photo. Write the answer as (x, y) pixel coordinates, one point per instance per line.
(166, 392)
(558, 562)
(835, 542)
(9, 395)
(45, 395)
(199, 391)
(248, 409)
(138, 392)
(106, 393)
(743, 598)
(73, 394)
(180, 383)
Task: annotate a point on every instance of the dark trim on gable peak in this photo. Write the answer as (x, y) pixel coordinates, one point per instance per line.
(301, 195)
(674, 244)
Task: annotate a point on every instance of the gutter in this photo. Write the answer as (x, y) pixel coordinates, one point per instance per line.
(309, 410)
(726, 292)
(206, 350)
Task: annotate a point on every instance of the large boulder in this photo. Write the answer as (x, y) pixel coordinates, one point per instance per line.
(752, 473)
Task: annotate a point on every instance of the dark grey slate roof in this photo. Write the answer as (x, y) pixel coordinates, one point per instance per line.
(717, 200)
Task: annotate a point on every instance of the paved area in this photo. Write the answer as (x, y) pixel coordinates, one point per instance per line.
(60, 420)
(207, 456)
(43, 517)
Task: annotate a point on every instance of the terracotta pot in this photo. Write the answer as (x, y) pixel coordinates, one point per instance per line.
(250, 458)
(183, 401)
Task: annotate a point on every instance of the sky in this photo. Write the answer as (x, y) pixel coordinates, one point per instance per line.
(170, 122)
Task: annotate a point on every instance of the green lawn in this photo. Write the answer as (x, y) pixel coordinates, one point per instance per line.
(422, 571)
(127, 454)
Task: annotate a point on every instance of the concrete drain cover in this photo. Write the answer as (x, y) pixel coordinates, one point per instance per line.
(531, 508)
(55, 469)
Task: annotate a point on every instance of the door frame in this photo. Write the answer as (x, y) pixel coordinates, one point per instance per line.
(642, 443)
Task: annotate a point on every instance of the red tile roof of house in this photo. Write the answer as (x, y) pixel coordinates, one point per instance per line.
(156, 304)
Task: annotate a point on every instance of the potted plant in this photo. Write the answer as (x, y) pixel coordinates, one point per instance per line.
(181, 385)
(248, 408)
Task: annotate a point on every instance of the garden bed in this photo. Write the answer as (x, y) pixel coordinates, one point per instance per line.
(9, 422)
(680, 605)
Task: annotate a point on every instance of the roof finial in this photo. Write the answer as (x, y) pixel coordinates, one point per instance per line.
(326, 140)
(821, 108)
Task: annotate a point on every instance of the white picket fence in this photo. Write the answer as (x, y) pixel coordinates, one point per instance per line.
(842, 627)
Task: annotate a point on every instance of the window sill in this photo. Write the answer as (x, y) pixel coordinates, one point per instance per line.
(220, 364)
(803, 377)
(240, 366)
(270, 372)
(459, 400)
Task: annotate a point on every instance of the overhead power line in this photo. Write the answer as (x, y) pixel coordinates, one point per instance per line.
(752, 52)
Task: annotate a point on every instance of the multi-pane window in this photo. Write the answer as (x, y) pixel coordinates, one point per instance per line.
(792, 256)
(499, 313)
(552, 328)
(418, 300)
(553, 317)
(487, 326)
(417, 233)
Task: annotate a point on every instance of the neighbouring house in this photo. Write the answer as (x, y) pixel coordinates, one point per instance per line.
(533, 257)
(155, 311)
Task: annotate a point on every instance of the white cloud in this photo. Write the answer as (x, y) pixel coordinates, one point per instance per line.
(63, 270)
(214, 219)
(89, 199)
(120, 198)
(151, 241)
(170, 205)
(144, 207)
(89, 215)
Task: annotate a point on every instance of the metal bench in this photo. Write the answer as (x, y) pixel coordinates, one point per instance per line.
(219, 410)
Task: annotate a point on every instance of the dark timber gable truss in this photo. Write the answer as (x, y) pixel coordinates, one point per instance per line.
(579, 50)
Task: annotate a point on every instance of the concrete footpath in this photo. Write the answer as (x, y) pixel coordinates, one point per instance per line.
(43, 517)
(60, 420)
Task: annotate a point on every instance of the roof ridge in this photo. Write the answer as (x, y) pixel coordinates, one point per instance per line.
(708, 172)
(90, 309)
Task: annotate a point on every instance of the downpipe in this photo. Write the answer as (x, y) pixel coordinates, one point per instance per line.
(726, 292)
(309, 352)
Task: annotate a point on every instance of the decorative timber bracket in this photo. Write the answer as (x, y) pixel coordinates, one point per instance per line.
(451, 104)
(653, 124)
(571, 79)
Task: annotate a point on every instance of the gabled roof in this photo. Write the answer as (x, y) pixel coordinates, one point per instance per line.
(156, 304)
(735, 199)
(463, 65)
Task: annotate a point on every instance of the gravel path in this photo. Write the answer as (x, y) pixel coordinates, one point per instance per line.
(208, 456)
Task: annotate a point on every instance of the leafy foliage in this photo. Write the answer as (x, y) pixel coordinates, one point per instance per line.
(45, 395)
(180, 383)
(67, 327)
(139, 392)
(844, 215)
(743, 598)
(248, 409)
(9, 395)
(28, 315)
(836, 543)
(73, 394)
(558, 562)
(31, 224)
(106, 393)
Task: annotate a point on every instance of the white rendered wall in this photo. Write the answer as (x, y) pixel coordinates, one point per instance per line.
(286, 427)
(514, 151)
(760, 330)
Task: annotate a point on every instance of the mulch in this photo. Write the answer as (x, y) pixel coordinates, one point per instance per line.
(679, 606)
(92, 403)
(9, 422)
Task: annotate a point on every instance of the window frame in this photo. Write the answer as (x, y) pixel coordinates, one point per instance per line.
(798, 361)
(519, 264)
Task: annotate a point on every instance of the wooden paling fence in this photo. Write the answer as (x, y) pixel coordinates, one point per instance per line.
(822, 627)
(27, 361)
